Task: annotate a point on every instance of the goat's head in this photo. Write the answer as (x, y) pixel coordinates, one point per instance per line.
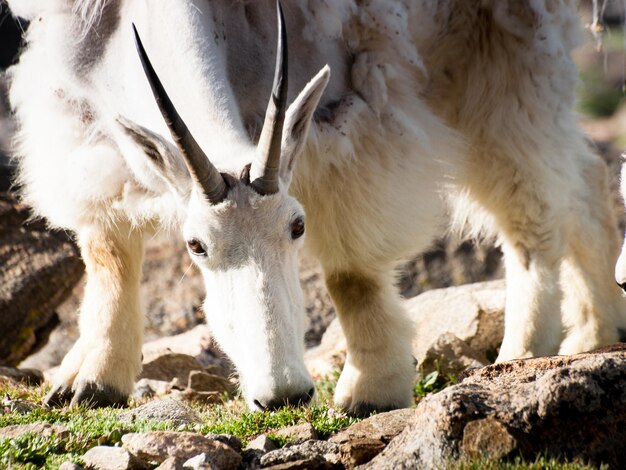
(244, 233)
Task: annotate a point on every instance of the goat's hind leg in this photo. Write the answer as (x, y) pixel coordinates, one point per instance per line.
(102, 366)
(594, 313)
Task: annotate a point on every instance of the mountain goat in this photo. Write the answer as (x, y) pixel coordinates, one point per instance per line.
(436, 111)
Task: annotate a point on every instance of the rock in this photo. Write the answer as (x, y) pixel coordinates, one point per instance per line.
(147, 388)
(191, 396)
(360, 451)
(310, 454)
(488, 438)
(39, 269)
(166, 409)
(202, 461)
(298, 433)
(383, 426)
(155, 447)
(170, 366)
(362, 441)
(197, 343)
(261, 443)
(473, 313)
(39, 429)
(70, 466)
(171, 463)
(30, 377)
(571, 407)
(201, 381)
(231, 441)
(450, 356)
(111, 458)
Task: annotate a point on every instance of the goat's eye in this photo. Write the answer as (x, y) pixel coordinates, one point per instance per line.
(297, 228)
(196, 247)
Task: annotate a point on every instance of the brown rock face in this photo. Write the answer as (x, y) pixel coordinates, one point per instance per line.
(570, 407)
(38, 270)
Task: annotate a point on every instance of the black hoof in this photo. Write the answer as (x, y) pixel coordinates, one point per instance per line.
(98, 396)
(60, 395)
(363, 410)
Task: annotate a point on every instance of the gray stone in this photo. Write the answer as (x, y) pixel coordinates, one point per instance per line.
(70, 466)
(156, 447)
(359, 451)
(571, 407)
(147, 388)
(111, 458)
(165, 409)
(298, 433)
(311, 454)
(201, 461)
(40, 429)
(231, 441)
(261, 443)
(27, 376)
(383, 427)
(197, 343)
(171, 463)
(451, 356)
(474, 313)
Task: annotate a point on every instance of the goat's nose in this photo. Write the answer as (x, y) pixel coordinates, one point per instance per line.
(622, 285)
(297, 399)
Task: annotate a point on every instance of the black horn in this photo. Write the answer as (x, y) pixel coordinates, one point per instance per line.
(265, 169)
(198, 164)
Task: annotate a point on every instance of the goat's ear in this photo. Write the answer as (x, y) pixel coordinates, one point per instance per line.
(298, 120)
(161, 160)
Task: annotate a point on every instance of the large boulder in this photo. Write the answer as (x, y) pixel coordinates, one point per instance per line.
(38, 270)
(571, 407)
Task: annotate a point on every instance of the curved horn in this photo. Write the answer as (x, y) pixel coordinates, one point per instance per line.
(198, 164)
(264, 173)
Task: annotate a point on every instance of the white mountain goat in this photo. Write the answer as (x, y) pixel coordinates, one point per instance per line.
(620, 266)
(436, 110)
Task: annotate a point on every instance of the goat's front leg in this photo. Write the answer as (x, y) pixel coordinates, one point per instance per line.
(379, 370)
(101, 367)
(532, 324)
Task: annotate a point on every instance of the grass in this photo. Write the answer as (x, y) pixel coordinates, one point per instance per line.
(433, 383)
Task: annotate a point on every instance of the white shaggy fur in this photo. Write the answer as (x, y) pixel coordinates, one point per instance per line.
(435, 109)
(620, 266)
